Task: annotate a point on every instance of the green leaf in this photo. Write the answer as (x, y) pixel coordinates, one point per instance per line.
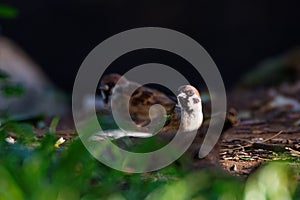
(53, 125)
(9, 188)
(272, 181)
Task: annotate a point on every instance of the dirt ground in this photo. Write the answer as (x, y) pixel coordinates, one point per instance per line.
(267, 127)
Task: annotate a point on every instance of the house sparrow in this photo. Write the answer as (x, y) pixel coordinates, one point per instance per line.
(189, 101)
(139, 102)
(186, 116)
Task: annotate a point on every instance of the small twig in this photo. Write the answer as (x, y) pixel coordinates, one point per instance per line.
(274, 136)
(251, 143)
(242, 147)
(292, 151)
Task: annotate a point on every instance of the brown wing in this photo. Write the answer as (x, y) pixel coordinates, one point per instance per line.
(141, 101)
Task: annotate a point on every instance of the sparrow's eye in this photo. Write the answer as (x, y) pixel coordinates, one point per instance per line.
(189, 93)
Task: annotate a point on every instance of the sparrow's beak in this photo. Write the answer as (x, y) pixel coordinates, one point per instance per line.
(181, 97)
(183, 101)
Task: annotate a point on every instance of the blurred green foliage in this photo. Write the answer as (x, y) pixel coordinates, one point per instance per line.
(274, 181)
(7, 11)
(9, 88)
(33, 168)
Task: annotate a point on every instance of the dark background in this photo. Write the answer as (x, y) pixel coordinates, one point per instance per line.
(59, 34)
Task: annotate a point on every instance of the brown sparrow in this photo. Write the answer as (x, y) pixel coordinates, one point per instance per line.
(189, 101)
(139, 102)
(186, 115)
